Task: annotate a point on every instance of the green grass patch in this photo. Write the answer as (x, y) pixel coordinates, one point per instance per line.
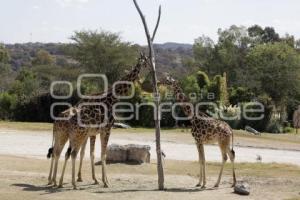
(26, 126)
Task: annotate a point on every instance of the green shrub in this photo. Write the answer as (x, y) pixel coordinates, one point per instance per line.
(202, 79)
(288, 130)
(275, 126)
(7, 104)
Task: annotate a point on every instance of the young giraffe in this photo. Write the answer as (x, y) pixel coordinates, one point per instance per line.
(60, 137)
(90, 115)
(205, 129)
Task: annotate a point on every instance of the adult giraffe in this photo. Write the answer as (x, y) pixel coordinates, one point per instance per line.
(91, 117)
(205, 129)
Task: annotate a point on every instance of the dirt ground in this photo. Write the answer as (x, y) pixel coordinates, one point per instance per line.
(26, 178)
(24, 168)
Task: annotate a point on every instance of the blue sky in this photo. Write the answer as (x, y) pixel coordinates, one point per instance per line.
(182, 20)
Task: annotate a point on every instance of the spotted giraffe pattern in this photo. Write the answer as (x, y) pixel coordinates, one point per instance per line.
(205, 129)
(90, 115)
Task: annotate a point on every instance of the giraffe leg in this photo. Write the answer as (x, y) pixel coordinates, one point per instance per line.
(92, 155)
(104, 140)
(203, 163)
(73, 156)
(231, 155)
(223, 148)
(67, 156)
(82, 152)
(51, 170)
(57, 153)
(59, 142)
(200, 166)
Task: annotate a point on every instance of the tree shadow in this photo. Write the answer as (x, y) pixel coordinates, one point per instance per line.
(179, 190)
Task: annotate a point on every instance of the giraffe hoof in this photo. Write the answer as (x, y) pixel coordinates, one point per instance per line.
(216, 186)
(74, 187)
(49, 183)
(96, 182)
(203, 187)
(198, 185)
(60, 186)
(106, 185)
(79, 180)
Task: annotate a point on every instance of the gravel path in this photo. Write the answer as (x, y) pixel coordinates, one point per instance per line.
(35, 145)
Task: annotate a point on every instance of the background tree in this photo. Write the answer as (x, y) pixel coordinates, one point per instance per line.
(6, 73)
(103, 52)
(203, 52)
(277, 69)
(43, 58)
(4, 56)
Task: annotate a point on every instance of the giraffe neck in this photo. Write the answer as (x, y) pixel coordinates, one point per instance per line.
(122, 88)
(92, 114)
(181, 98)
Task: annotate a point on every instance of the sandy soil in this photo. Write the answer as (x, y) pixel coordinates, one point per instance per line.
(25, 179)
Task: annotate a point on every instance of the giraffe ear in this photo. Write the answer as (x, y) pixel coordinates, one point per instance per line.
(73, 111)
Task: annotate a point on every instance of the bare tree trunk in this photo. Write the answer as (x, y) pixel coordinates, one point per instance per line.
(160, 169)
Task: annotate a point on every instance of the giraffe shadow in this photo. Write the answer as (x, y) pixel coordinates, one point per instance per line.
(34, 188)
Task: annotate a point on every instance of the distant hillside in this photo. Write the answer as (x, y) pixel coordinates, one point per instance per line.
(170, 56)
(174, 46)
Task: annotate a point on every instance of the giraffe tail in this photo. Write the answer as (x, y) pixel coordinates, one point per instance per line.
(232, 151)
(50, 153)
(50, 150)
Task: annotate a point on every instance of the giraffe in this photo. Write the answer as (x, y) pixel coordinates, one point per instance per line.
(99, 110)
(60, 137)
(205, 129)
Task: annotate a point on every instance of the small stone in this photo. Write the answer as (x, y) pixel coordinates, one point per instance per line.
(242, 188)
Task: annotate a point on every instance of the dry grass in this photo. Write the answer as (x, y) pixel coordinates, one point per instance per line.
(30, 126)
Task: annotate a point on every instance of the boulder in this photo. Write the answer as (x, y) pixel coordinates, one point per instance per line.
(242, 188)
(116, 153)
(138, 153)
(121, 125)
(131, 153)
(252, 130)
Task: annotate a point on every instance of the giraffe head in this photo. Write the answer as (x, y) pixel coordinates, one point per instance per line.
(168, 81)
(143, 62)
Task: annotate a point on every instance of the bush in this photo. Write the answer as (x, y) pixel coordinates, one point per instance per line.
(202, 79)
(7, 104)
(240, 95)
(275, 126)
(288, 130)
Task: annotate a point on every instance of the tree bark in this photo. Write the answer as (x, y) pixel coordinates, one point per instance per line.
(160, 169)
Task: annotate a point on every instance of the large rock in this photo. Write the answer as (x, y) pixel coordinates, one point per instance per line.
(252, 130)
(116, 153)
(131, 153)
(121, 125)
(242, 188)
(138, 153)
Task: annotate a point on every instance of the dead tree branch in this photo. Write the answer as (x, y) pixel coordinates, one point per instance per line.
(157, 24)
(152, 63)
